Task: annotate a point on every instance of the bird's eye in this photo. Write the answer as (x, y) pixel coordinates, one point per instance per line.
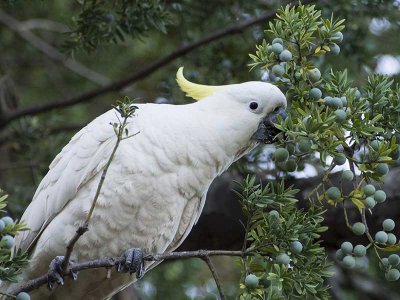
(253, 105)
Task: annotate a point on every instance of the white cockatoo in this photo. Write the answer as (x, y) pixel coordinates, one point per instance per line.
(155, 187)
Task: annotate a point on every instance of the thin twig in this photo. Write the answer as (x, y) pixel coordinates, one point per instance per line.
(109, 262)
(216, 277)
(128, 80)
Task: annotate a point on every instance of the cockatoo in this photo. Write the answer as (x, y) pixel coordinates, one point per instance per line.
(156, 185)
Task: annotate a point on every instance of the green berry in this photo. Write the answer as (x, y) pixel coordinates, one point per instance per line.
(388, 225)
(290, 148)
(8, 241)
(339, 254)
(274, 214)
(285, 55)
(336, 102)
(278, 70)
(281, 155)
(335, 49)
(7, 220)
(265, 281)
(277, 40)
(380, 196)
(394, 259)
(357, 94)
(381, 237)
(340, 159)
(385, 262)
(314, 74)
(369, 190)
(304, 145)
(392, 275)
(375, 145)
(347, 247)
(391, 239)
(251, 281)
(296, 247)
(315, 93)
(340, 115)
(338, 36)
(360, 250)
(369, 202)
(358, 228)
(23, 296)
(2, 225)
(349, 262)
(382, 169)
(344, 101)
(291, 165)
(347, 175)
(283, 258)
(333, 193)
(277, 48)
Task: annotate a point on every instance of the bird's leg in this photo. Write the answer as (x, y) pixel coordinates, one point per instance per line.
(132, 262)
(56, 275)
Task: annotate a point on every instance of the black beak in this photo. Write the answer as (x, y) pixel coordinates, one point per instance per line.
(266, 131)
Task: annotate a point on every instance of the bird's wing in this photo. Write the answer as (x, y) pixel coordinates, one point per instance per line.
(80, 160)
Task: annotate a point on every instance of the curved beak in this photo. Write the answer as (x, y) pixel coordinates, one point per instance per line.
(266, 131)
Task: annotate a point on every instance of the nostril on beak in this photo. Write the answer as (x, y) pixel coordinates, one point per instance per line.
(273, 117)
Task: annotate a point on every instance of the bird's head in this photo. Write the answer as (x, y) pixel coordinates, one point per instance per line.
(255, 104)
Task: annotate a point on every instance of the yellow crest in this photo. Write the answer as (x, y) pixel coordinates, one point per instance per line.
(194, 90)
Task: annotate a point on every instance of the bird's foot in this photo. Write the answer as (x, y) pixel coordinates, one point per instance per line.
(56, 275)
(132, 262)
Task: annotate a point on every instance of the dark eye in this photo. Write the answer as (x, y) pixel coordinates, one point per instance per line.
(253, 105)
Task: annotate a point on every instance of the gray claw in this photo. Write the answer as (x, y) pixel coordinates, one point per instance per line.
(56, 275)
(133, 262)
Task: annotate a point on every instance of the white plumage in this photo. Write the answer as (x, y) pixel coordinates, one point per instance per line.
(154, 190)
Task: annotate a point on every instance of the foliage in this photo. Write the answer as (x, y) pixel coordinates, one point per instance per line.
(272, 237)
(330, 117)
(11, 263)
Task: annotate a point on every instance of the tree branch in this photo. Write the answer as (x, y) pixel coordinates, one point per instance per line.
(109, 262)
(122, 83)
(216, 277)
(50, 51)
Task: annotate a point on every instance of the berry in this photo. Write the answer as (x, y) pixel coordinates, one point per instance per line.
(285, 55)
(360, 250)
(382, 169)
(369, 190)
(340, 159)
(388, 225)
(357, 94)
(314, 74)
(296, 247)
(7, 220)
(339, 254)
(277, 48)
(333, 102)
(281, 155)
(283, 258)
(277, 40)
(380, 196)
(349, 262)
(385, 262)
(291, 165)
(290, 148)
(391, 239)
(251, 281)
(338, 36)
(2, 225)
(392, 275)
(23, 296)
(9, 241)
(335, 49)
(381, 237)
(375, 145)
(344, 100)
(358, 228)
(346, 247)
(369, 202)
(333, 193)
(304, 145)
(278, 70)
(274, 214)
(347, 175)
(265, 281)
(315, 93)
(340, 115)
(394, 259)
